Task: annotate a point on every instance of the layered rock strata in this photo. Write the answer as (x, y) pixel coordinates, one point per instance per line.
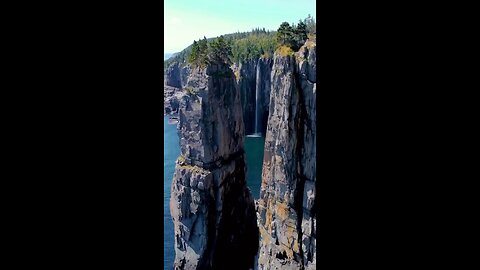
(286, 208)
(212, 209)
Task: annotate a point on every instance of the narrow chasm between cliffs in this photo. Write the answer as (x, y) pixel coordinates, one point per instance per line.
(243, 193)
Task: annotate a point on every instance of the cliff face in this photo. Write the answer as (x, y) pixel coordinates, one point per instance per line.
(263, 87)
(175, 79)
(286, 208)
(212, 209)
(253, 76)
(171, 98)
(254, 82)
(172, 76)
(176, 75)
(246, 84)
(184, 74)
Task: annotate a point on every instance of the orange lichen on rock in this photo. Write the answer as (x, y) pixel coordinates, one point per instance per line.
(281, 210)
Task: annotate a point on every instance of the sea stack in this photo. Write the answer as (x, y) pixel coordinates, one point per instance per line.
(287, 202)
(212, 209)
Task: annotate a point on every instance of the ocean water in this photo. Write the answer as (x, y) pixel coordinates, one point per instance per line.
(254, 159)
(171, 152)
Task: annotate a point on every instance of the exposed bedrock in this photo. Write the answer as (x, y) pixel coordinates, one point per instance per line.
(286, 208)
(246, 84)
(263, 87)
(212, 209)
(176, 75)
(172, 76)
(254, 76)
(171, 98)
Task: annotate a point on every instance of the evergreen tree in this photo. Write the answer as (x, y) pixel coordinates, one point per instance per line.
(198, 53)
(310, 24)
(237, 47)
(203, 45)
(285, 34)
(193, 57)
(300, 34)
(219, 51)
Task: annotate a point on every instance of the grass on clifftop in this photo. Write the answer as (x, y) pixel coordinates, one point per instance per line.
(284, 50)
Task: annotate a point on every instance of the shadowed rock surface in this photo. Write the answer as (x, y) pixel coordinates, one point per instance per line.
(175, 79)
(263, 76)
(176, 75)
(212, 209)
(254, 74)
(246, 84)
(286, 208)
(172, 76)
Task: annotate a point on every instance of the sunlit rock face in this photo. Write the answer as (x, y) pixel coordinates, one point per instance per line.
(286, 208)
(212, 209)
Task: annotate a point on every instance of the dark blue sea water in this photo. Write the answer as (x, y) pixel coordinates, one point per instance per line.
(170, 154)
(254, 158)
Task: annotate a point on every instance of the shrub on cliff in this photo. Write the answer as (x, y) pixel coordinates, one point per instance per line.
(284, 50)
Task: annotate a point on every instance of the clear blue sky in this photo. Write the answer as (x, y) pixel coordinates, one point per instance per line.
(188, 20)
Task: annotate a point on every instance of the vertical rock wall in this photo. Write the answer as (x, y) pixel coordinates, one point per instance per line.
(171, 98)
(252, 74)
(247, 84)
(264, 70)
(212, 209)
(177, 75)
(172, 76)
(286, 208)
